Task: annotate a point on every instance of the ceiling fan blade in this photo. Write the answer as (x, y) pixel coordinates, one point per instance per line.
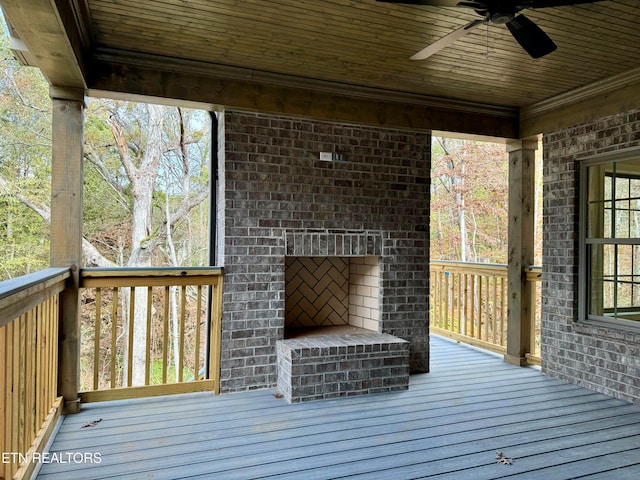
(531, 37)
(446, 40)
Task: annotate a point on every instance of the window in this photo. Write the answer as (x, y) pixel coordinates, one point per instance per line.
(610, 239)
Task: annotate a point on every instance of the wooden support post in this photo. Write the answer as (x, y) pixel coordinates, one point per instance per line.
(66, 232)
(521, 248)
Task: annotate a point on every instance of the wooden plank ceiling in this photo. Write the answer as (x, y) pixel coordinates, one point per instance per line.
(236, 52)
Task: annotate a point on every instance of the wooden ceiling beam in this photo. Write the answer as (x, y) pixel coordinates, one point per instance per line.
(55, 35)
(281, 94)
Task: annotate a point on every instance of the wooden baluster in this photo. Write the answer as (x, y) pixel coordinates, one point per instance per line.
(53, 348)
(438, 305)
(446, 301)
(50, 347)
(132, 315)
(487, 320)
(472, 333)
(147, 362)
(216, 334)
(503, 311)
(165, 333)
(96, 338)
(494, 312)
(31, 426)
(196, 361)
(114, 335)
(37, 359)
(534, 317)
(480, 306)
(458, 326)
(465, 309)
(183, 307)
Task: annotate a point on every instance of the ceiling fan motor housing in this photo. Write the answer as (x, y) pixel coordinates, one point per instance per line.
(501, 18)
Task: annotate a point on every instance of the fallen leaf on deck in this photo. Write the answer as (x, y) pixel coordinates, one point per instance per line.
(92, 423)
(501, 458)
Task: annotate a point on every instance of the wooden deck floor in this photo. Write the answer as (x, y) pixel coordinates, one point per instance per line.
(449, 424)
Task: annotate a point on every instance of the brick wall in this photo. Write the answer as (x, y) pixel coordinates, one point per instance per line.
(604, 359)
(273, 185)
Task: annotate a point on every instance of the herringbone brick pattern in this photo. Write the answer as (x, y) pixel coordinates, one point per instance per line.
(317, 291)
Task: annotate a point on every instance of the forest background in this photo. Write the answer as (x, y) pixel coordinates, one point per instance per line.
(145, 178)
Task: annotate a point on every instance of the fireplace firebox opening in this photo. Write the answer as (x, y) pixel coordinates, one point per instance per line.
(331, 294)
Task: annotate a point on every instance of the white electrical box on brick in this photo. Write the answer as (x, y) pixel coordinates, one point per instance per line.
(326, 156)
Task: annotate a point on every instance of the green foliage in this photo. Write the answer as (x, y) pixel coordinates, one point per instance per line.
(155, 375)
(25, 164)
(23, 247)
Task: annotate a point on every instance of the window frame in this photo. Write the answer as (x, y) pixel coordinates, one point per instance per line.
(584, 277)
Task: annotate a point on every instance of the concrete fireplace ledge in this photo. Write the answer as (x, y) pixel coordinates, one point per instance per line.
(329, 366)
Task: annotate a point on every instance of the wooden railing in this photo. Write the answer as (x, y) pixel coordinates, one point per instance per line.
(468, 302)
(150, 332)
(29, 405)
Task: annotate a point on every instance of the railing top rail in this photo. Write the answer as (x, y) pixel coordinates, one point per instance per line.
(19, 294)
(148, 276)
(149, 271)
(46, 276)
(497, 269)
(456, 262)
(469, 268)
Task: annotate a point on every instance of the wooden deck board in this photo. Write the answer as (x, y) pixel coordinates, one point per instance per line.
(447, 425)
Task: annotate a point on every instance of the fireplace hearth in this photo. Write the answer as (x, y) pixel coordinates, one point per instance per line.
(335, 364)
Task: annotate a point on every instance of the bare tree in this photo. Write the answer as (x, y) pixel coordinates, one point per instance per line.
(140, 142)
(469, 200)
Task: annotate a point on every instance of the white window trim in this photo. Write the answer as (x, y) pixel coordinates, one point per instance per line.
(625, 154)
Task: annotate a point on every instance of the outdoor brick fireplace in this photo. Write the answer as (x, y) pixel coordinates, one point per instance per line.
(336, 247)
(332, 345)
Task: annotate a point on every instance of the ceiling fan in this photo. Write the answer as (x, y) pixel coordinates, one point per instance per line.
(501, 12)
